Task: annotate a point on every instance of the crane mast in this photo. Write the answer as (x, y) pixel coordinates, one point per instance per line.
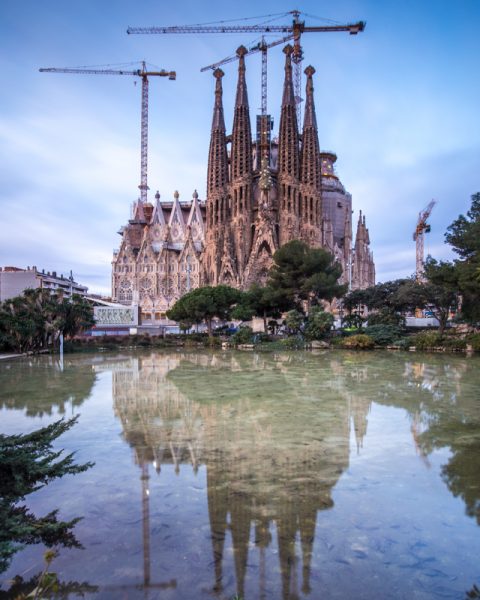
(419, 238)
(144, 74)
(264, 76)
(144, 141)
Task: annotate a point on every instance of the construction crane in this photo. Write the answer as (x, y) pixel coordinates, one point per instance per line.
(419, 237)
(144, 74)
(294, 29)
(260, 47)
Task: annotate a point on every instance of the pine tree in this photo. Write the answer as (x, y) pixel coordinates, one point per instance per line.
(28, 463)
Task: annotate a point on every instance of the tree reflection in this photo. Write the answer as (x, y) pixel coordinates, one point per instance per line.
(39, 389)
(437, 395)
(21, 588)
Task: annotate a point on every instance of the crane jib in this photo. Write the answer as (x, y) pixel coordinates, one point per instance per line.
(353, 28)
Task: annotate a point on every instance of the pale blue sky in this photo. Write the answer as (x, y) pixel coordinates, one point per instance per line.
(397, 103)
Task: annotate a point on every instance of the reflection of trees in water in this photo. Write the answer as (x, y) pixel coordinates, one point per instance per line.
(441, 396)
(274, 439)
(39, 386)
(20, 588)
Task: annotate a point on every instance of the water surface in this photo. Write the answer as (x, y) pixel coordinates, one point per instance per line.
(329, 475)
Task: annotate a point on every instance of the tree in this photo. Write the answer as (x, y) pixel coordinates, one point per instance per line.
(204, 304)
(355, 300)
(389, 301)
(36, 319)
(28, 463)
(301, 273)
(258, 301)
(464, 233)
(294, 320)
(464, 236)
(75, 315)
(441, 289)
(319, 324)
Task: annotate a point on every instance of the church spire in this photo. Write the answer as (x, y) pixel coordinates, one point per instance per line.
(288, 161)
(217, 156)
(310, 161)
(241, 133)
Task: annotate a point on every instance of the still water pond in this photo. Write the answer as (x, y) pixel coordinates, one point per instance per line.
(330, 475)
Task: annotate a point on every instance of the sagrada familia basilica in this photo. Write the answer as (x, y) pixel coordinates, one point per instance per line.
(261, 193)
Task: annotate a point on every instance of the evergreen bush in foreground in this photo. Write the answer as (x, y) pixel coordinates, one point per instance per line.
(28, 463)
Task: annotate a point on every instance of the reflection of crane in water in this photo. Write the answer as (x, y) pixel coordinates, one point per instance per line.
(415, 428)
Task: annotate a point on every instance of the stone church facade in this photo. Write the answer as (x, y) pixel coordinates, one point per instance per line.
(261, 193)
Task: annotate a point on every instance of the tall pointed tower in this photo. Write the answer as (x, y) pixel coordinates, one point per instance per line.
(270, 191)
(363, 267)
(217, 189)
(241, 171)
(288, 158)
(310, 200)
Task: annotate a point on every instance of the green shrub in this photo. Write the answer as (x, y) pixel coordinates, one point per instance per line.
(243, 336)
(294, 320)
(319, 324)
(474, 340)
(293, 342)
(360, 341)
(383, 335)
(214, 342)
(424, 340)
(403, 343)
(454, 343)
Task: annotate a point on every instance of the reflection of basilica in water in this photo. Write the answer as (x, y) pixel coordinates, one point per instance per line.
(267, 475)
(273, 476)
(269, 437)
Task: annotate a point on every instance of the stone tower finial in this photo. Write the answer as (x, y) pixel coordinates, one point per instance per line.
(241, 157)
(310, 167)
(288, 151)
(241, 51)
(310, 118)
(218, 120)
(217, 158)
(241, 98)
(288, 95)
